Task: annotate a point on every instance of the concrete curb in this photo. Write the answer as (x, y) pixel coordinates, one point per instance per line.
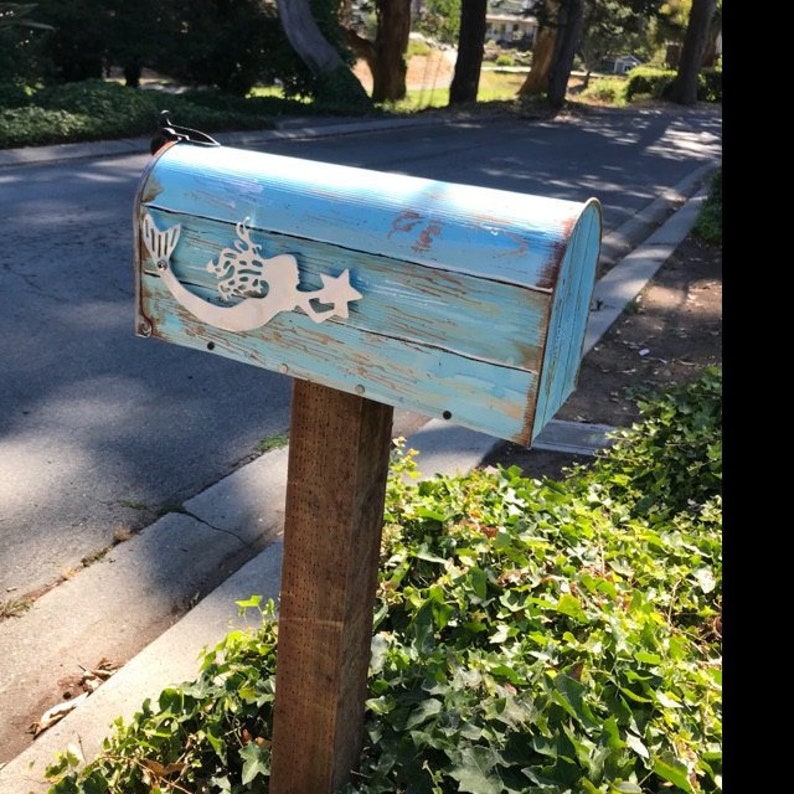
(622, 284)
(229, 515)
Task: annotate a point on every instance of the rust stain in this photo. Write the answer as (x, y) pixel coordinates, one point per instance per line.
(530, 357)
(521, 249)
(525, 436)
(409, 220)
(569, 225)
(151, 190)
(425, 240)
(550, 272)
(405, 222)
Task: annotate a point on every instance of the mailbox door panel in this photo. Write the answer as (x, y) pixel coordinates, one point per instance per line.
(568, 320)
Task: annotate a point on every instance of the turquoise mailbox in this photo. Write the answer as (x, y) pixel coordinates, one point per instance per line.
(463, 303)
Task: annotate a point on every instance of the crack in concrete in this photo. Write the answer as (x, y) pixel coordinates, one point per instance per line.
(206, 523)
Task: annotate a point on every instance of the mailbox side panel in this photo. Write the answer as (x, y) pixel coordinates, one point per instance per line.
(569, 315)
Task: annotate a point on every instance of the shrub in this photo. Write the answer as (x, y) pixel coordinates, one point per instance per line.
(14, 95)
(672, 462)
(97, 110)
(708, 225)
(114, 110)
(654, 82)
(35, 126)
(607, 90)
(710, 85)
(648, 81)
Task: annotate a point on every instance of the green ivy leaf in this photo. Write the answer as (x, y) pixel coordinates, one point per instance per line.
(426, 710)
(625, 787)
(474, 772)
(706, 579)
(256, 762)
(637, 745)
(673, 771)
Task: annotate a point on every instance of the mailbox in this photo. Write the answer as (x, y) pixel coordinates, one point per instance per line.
(458, 302)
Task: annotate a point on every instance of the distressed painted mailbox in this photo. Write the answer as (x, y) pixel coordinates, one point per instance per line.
(458, 302)
(373, 291)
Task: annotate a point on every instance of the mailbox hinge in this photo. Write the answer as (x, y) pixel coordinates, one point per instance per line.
(167, 131)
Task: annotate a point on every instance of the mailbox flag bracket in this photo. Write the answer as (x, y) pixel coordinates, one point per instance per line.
(169, 132)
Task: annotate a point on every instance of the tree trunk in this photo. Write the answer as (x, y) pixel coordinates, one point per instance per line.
(389, 68)
(466, 80)
(569, 37)
(684, 88)
(537, 81)
(306, 38)
(132, 74)
(335, 81)
(361, 47)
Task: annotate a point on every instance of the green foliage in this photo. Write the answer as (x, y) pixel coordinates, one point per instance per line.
(674, 462)
(88, 110)
(417, 47)
(208, 734)
(99, 110)
(34, 126)
(654, 82)
(236, 46)
(440, 20)
(530, 636)
(103, 101)
(14, 95)
(340, 92)
(20, 38)
(229, 46)
(76, 48)
(605, 90)
(273, 442)
(710, 85)
(648, 81)
(615, 27)
(708, 225)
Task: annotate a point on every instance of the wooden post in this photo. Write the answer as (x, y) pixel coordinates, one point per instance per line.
(338, 465)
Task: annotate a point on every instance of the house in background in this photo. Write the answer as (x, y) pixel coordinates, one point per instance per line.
(511, 23)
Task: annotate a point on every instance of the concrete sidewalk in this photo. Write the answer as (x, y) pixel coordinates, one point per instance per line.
(243, 515)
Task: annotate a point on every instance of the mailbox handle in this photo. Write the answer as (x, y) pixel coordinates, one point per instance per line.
(168, 131)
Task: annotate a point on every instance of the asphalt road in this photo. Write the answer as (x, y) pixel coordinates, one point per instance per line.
(100, 430)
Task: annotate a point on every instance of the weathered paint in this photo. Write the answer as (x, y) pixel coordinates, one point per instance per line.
(474, 301)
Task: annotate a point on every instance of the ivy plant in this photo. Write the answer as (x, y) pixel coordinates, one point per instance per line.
(532, 636)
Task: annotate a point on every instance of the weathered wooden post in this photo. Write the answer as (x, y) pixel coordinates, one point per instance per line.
(371, 290)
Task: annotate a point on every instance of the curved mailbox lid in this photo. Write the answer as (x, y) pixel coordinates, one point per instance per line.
(449, 299)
